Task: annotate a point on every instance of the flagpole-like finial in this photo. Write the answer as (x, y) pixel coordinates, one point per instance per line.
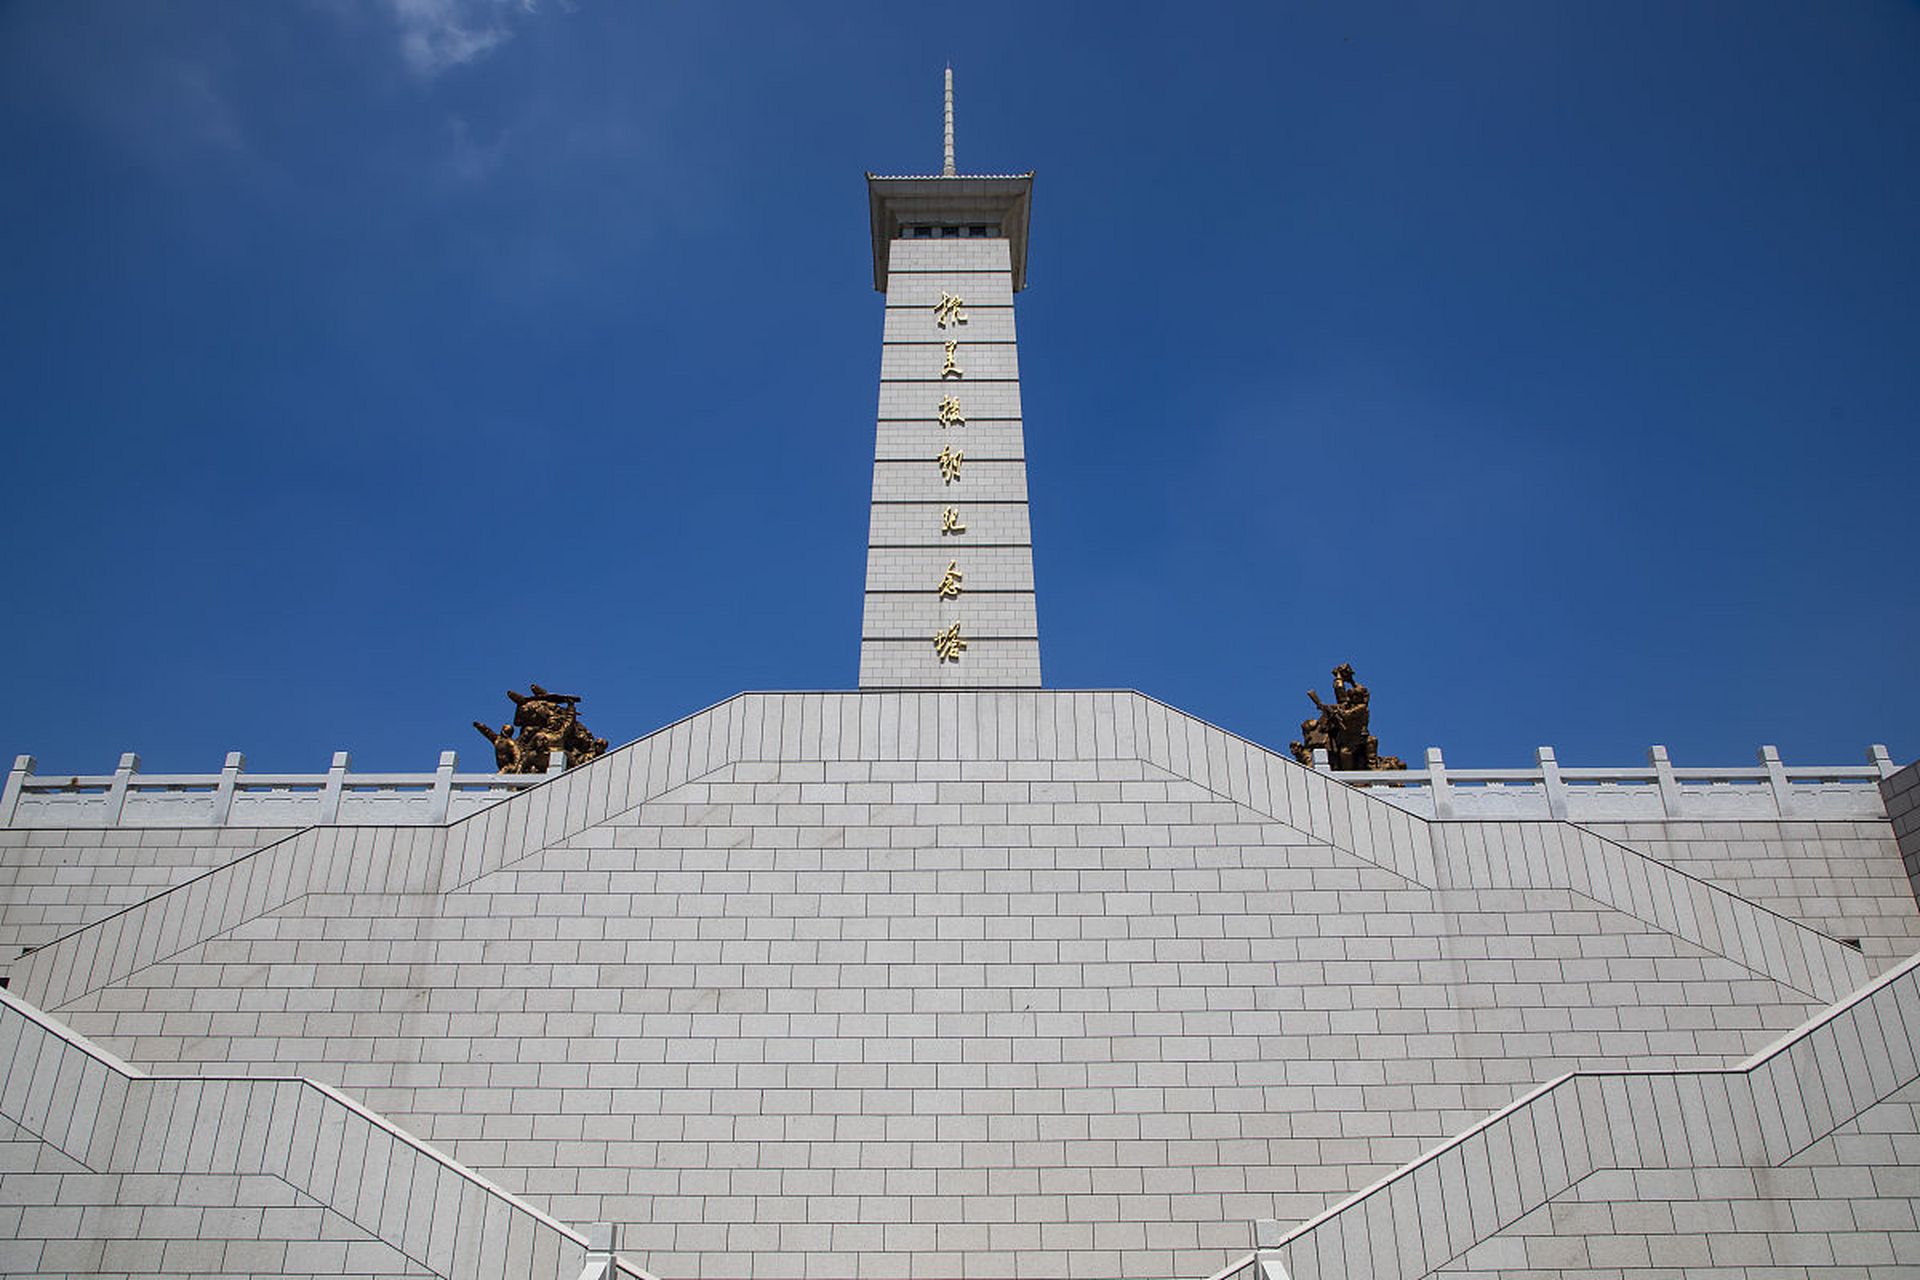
(947, 170)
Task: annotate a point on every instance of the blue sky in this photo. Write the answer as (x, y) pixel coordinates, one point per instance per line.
(1556, 363)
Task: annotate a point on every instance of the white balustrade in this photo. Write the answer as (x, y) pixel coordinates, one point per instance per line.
(1660, 792)
(1550, 790)
(235, 798)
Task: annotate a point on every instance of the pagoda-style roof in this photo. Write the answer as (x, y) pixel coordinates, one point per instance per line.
(1002, 199)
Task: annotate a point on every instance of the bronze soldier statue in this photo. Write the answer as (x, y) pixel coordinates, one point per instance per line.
(547, 722)
(1342, 728)
(506, 752)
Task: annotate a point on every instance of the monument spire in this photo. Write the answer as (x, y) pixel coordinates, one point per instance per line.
(949, 599)
(947, 169)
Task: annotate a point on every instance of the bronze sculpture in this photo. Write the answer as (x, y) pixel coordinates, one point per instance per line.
(547, 722)
(506, 752)
(1341, 728)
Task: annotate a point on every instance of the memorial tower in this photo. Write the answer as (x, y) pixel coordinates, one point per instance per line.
(962, 980)
(949, 598)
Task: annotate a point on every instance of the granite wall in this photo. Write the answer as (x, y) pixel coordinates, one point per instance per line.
(939, 984)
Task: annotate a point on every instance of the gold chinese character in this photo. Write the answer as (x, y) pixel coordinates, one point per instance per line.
(947, 311)
(950, 412)
(950, 521)
(950, 460)
(948, 644)
(950, 581)
(950, 369)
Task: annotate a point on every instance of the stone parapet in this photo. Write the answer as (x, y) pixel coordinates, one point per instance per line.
(1660, 792)
(117, 1124)
(235, 798)
(1760, 1115)
(1000, 605)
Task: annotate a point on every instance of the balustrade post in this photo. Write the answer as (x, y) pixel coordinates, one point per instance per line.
(1556, 788)
(1877, 755)
(442, 801)
(229, 783)
(23, 767)
(1442, 791)
(122, 781)
(335, 787)
(1666, 780)
(603, 1238)
(1777, 780)
(1322, 763)
(1267, 1234)
(556, 762)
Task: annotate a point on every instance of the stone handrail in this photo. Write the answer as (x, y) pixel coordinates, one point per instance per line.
(1659, 792)
(114, 1118)
(1759, 1114)
(235, 798)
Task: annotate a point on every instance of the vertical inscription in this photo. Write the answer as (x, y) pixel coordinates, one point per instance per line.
(949, 312)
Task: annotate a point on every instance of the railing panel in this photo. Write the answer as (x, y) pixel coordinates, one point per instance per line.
(322, 1143)
(1658, 793)
(234, 798)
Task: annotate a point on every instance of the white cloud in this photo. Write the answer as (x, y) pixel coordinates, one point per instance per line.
(438, 34)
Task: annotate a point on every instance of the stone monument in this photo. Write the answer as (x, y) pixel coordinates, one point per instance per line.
(957, 976)
(949, 596)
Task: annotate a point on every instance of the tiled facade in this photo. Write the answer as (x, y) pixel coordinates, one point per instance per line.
(54, 880)
(105, 1169)
(926, 518)
(1843, 878)
(1798, 1162)
(941, 984)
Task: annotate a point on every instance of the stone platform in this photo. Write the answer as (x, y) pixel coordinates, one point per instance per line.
(917, 983)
